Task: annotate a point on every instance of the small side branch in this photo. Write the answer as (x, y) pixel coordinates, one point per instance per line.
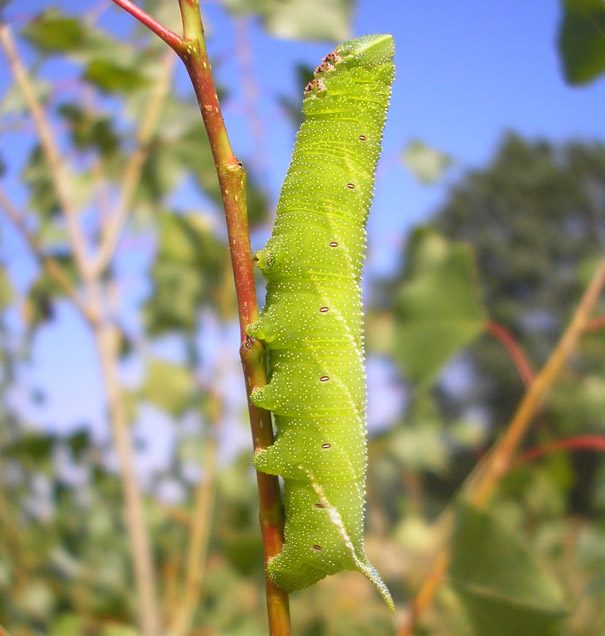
(170, 37)
(508, 341)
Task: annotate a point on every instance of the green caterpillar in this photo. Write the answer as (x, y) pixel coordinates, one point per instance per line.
(312, 321)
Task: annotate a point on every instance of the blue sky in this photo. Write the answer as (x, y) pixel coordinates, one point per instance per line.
(466, 73)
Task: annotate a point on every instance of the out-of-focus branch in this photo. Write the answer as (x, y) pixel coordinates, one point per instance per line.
(595, 443)
(50, 147)
(482, 482)
(107, 342)
(53, 269)
(106, 339)
(243, 52)
(201, 521)
(495, 464)
(112, 229)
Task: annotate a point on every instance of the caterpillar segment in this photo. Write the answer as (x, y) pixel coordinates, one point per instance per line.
(312, 322)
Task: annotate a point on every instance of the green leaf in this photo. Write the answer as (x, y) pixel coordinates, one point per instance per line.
(90, 131)
(168, 386)
(185, 273)
(582, 40)
(6, 288)
(68, 625)
(32, 448)
(36, 176)
(301, 19)
(503, 588)
(53, 32)
(425, 163)
(114, 77)
(438, 310)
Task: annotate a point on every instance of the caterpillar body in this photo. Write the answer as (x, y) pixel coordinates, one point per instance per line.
(312, 321)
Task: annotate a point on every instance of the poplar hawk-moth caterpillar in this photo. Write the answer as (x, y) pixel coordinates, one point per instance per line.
(312, 322)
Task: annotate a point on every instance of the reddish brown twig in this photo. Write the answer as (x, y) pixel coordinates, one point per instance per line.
(594, 443)
(508, 341)
(191, 48)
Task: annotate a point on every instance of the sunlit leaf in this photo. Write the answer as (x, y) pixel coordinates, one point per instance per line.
(168, 386)
(502, 586)
(425, 163)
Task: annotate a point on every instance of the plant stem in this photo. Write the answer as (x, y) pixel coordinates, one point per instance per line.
(232, 181)
(191, 48)
(595, 443)
(481, 483)
(508, 341)
(170, 37)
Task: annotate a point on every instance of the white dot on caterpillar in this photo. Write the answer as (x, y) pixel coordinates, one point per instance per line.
(316, 547)
(324, 310)
(324, 378)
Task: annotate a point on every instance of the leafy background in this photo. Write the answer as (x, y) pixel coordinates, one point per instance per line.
(476, 230)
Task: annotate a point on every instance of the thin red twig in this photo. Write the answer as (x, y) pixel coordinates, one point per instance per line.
(595, 325)
(509, 342)
(170, 37)
(594, 443)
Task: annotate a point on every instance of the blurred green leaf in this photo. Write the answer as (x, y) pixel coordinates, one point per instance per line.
(301, 19)
(425, 163)
(582, 40)
(68, 625)
(53, 32)
(119, 630)
(36, 176)
(79, 441)
(90, 131)
(6, 288)
(437, 309)
(504, 590)
(31, 448)
(114, 77)
(185, 273)
(168, 386)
